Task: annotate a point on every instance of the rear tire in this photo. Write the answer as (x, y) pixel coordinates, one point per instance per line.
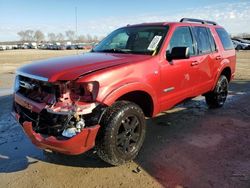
(122, 133)
(217, 97)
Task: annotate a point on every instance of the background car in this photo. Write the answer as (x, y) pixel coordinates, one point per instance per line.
(243, 40)
(240, 46)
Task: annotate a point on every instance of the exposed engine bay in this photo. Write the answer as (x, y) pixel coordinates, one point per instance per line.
(64, 108)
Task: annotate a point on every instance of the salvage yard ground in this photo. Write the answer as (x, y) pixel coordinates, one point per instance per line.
(188, 146)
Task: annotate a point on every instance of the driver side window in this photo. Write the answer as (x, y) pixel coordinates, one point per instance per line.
(119, 41)
(181, 38)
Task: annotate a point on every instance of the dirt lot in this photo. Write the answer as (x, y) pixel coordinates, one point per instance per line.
(188, 146)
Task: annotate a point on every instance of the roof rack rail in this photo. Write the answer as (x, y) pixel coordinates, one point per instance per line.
(198, 21)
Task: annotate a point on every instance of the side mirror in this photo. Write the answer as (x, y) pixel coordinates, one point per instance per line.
(178, 53)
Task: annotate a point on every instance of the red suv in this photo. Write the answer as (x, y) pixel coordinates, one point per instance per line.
(101, 98)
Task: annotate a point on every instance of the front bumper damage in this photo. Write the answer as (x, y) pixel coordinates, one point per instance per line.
(78, 144)
(75, 145)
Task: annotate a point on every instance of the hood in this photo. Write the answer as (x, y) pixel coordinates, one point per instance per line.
(72, 67)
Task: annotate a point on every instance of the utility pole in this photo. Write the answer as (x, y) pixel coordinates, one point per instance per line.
(76, 27)
(76, 19)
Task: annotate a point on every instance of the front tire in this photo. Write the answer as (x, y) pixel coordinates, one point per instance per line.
(122, 133)
(217, 97)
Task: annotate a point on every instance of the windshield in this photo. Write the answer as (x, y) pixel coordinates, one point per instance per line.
(135, 40)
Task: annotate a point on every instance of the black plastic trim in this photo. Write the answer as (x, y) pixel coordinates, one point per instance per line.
(198, 21)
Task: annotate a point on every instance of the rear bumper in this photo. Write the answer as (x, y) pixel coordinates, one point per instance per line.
(78, 144)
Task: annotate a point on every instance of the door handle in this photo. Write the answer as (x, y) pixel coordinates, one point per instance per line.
(194, 63)
(218, 57)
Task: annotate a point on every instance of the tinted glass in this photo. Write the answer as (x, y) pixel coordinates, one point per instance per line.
(181, 38)
(135, 40)
(202, 38)
(119, 41)
(211, 39)
(225, 39)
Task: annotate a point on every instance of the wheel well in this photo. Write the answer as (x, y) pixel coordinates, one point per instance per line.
(142, 99)
(227, 73)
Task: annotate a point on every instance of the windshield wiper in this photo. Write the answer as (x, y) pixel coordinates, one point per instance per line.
(116, 50)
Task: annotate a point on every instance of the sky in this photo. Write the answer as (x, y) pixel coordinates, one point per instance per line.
(100, 17)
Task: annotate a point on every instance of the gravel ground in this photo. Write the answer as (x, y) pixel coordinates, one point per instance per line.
(188, 146)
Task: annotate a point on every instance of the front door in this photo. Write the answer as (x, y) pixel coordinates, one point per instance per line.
(178, 77)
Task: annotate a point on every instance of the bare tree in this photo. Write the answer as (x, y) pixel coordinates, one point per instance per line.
(39, 36)
(27, 35)
(21, 35)
(52, 37)
(81, 38)
(245, 35)
(242, 35)
(70, 35)
(89, 38)
(95, 38)
(60, 37)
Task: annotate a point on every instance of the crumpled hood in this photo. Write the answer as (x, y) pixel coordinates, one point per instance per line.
(71, 67)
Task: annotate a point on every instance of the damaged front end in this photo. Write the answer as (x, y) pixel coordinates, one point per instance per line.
(61, 116)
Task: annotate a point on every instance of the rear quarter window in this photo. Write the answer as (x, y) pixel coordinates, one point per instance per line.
(225, 39)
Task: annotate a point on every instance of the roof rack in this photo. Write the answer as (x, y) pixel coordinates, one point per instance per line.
(198, 21)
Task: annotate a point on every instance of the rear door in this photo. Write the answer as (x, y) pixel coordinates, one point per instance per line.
(207, 58)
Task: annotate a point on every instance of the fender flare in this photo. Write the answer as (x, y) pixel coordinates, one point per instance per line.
(111, 97)
(224, 64)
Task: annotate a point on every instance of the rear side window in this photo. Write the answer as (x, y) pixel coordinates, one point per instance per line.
(225, 39)
(212, 42)
(181, 38)
(203, 41)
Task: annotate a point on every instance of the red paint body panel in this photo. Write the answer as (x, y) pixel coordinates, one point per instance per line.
(71, 67)
(78, 144)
